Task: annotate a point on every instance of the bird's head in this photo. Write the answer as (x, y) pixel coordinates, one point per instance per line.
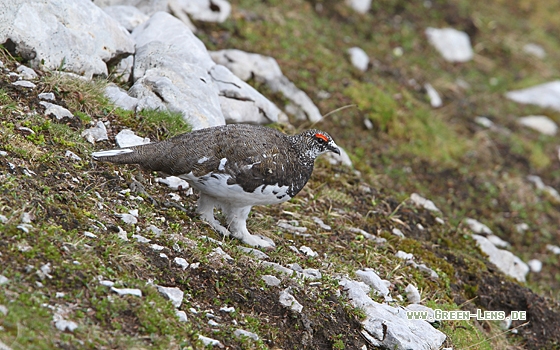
(315, 142)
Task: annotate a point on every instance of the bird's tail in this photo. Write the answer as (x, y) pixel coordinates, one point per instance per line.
(119, 156)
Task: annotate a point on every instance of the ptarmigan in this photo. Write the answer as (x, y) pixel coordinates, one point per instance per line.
(234, 167)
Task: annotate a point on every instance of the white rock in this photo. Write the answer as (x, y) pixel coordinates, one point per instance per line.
(72, 155)
(127, 138)
(279, 268)
(266, 70)
(372, 279)
(89, 234)
(181, 262)
(412, 294)
(388, 327)
(423, 202)
(3, 310)
(157, 247)
(182, 315)
(540, 123)
(271, 280)
(128, 219)
(127, 16)
(56, 110)
(171, 68)
(453, 45)
(106, 283)
(360, 6)
(254, 252)
(63, 325)
(544, 95)
(209, 341)
(3, 219)
(173, 182)
(240, 102)
(535, 50)
(404, 256)
(127, 291)
(96, 134)
(535, 265)
(228, 309)
(398, 232)
(358, 58)
(219, 251)
(483, 121)
(141, 239)
(3, 280)
(288, 300)
(156, 231)
(312, 274)
(122, 234)
(205, 10)
(240, 333)
(497, 241)
(308, 251)
(73, 32)
(506, 261)
(478, 227)
(553, 248)
(26, 72)
(321, 224)
(120, 98)
(433, 96)
(27, 218)
(287, 226)
(522, 227)
(542, 187)
(172, 293)
(24, 83)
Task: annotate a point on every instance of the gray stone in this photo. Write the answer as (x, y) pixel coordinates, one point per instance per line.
(544, 95)
(360, 6)
(204, 10)
(181, 315)
(60, 32)
(3, 280)
(127, 16)
(358, 58)
(539, 184)
(433, 96)
(96, 134)
(279, 268)
(173, 182)
(171, 71)
(388, 327)
(453, 45)
(506, 261)
(308, 251)
(26, 72)
(127, 138)
(172, 293)
(321, 224)
(265, 69)
(540, 123)
(58, 111)
(240, 102)
(127, 291)
(535, 50)
(122, 71)
(72, 155)
(120, 98)
(369, 277)
(342, 158)
(24, 83)
(209, 341)
(412, 294)
(254, 252)
(63, 325)
(483, 121)
(420, 201)
(49, 96)
(553, 248)
(478, 227)
(270, 280)
(239, 333)
(289, 301)
(312, 274)
(535, 265)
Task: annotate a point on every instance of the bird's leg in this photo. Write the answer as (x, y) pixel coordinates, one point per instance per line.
(205, 208)
(237, 224)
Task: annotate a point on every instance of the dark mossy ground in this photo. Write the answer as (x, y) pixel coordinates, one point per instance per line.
(442, 154)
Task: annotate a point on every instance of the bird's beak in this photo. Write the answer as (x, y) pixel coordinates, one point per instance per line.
(334, 148)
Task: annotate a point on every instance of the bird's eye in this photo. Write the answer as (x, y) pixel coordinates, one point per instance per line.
(321, 138)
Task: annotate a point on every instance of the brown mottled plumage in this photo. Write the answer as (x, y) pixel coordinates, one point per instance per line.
(234, 167)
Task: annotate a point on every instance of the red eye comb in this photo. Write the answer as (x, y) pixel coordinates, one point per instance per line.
(322, 137)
